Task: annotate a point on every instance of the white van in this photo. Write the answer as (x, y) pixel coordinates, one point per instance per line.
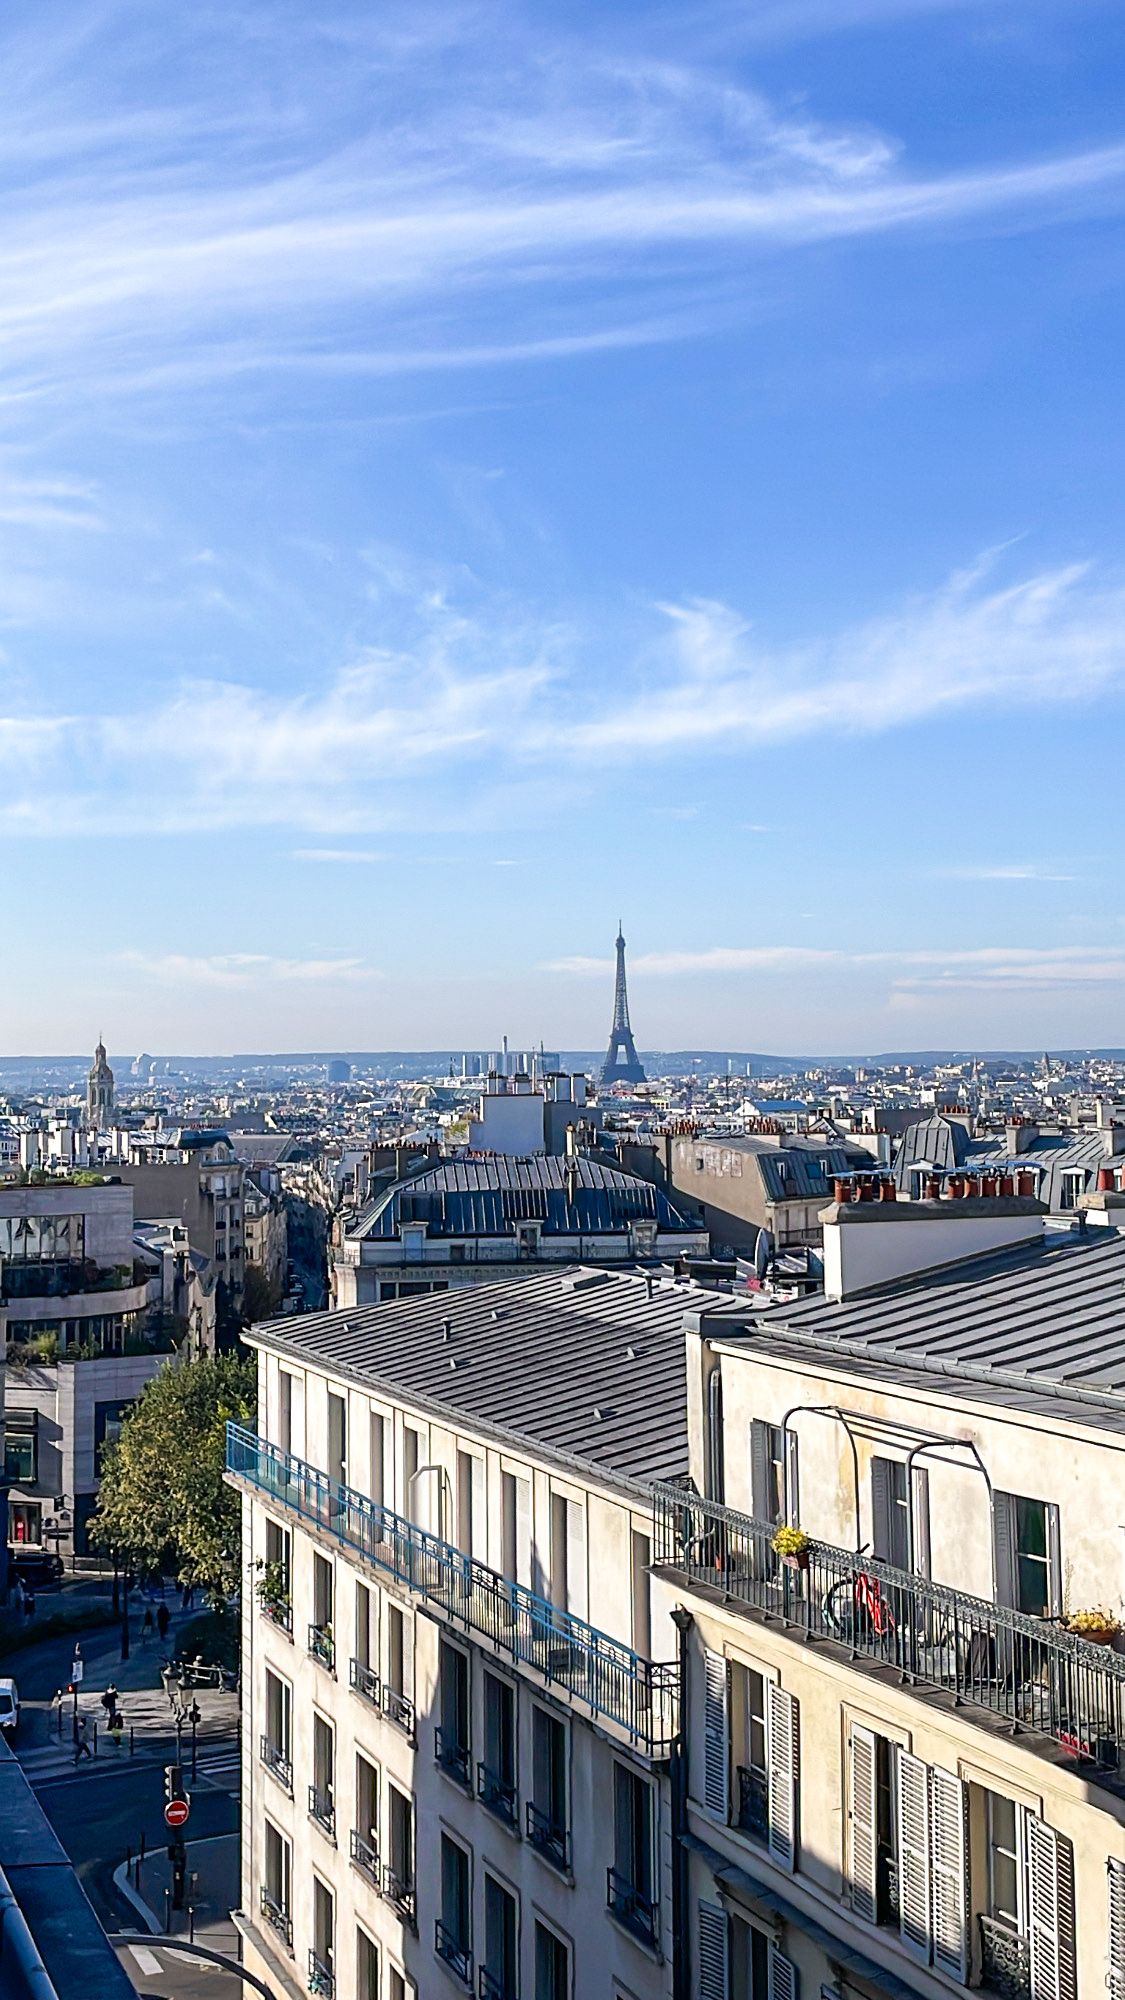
(9, 1707)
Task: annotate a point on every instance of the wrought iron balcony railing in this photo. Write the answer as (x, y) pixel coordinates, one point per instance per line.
(395, 1707)
(452, 1755)
(491, 1987)
(1005, 1960)
(322, 1646)
(1027, 1670)
(366, 1858)
(276, 1916)
(399, 1890)
(753, 1802)
(276, 1763)
(638, 1697)
(548, 1837)
(456, 1955)
(631, 1907)
(499, 1797)
(322, 1979)
(322, 1810)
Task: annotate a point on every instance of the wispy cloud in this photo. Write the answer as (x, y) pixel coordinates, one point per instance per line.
(243, 968)
(338, 856)
(1014, 871)
(989, 967)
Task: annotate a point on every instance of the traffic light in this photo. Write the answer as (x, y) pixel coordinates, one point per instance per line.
(173, 1782)
(71, 1687)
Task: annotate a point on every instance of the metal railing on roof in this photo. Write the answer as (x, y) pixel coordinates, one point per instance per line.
(1030, 1671)
(639, 1697)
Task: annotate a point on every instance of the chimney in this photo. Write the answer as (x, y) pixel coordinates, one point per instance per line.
(874, 1242)
(1019, 1134)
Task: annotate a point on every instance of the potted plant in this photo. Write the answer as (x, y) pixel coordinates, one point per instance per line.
(272, 1589)
(1097, 1625)
(792, 1545)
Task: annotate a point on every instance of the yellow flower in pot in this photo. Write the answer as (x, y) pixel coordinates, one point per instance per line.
(1097, 1625)
(792, 1545)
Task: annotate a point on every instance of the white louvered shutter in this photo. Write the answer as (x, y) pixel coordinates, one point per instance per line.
(783, 1759)
(1050, 1873)
(716, 1735)
(782, 1976)
(713, 1975)
(914, 1854)
(948, 1870)
(1115, 1956)
(863, 1823)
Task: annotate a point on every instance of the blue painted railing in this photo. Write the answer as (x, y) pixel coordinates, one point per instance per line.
(639, 1696)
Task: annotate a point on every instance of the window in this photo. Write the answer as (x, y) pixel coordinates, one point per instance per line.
(642, 1594)
(548, 1814)
(632, 1878)
(769, 1447)
(1005, 1862)
(1027, 1554)
(275, 1584)
(366, 1636)
(751, 1716)
(277, 1883)
(873, 1826)
(552, 1965)
(21, 1447)
(472, 1506)
(500, 1971)
(1073, 1186)
(890, 1511)
(399, 1880)
(322, 1791)
(751, 1769)
(496, 1774)
(411, 1459)
(413, 1243)
(322, 1956)
(25, 1522)
(451, 1738)
(321, 1639)
(366, 1967)
(337, 1438)
(277, 1742)
(398, 1694)
(285, 1410)
(365, 1833)
(453, 1938)
(378, 1459)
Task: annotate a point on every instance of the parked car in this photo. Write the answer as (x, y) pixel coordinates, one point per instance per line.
(33, 1566)
(9, 1707)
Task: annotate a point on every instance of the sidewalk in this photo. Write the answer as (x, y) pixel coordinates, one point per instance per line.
(213, 1892)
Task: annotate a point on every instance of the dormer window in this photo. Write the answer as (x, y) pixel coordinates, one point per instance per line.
(413, 1240)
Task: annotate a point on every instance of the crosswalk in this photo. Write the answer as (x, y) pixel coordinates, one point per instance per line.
(150, 1734)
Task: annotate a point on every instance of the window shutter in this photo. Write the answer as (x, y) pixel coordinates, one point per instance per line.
(1004, 1547)
(1115, 1967)
(713, 1974)
(782, 1757)
(1054, 1561)
(920, 1553)
(760, 1470)
(716, 1734)
(862, 1823)
(1050, 1869)
(782, 1976)
(949, 1861)
(914, 1854)
(881, 1510)
(792, 1483)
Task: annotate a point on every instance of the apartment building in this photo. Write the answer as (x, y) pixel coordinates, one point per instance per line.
(471, 1221)
(459, 1712)
(904, 1767)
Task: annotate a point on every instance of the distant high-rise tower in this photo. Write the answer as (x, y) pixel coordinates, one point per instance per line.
(99, 1089)
(622, 1063)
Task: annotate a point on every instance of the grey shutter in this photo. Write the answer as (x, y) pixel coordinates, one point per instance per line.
(713, 1975)
(1115, 1956)
(716, 1734)
(1054, 1562)
(1050, 1870)
(760, 1469)
(863, 1823)
(782, 1976)
(948, 1874)
(914, 1854)
(881, 1510)
(782, 1756)
(792, 1483)
(1004, 1547)
(920, 1553)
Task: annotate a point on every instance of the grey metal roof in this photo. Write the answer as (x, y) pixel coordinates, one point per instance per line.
(1045, 1322)
(945, 1143)
(488, 1196)
(586, 1363)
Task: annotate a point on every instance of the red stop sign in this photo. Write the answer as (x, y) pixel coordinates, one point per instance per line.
(176, 1812)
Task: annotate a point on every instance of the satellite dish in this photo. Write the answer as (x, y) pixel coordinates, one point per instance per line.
(762, 1253)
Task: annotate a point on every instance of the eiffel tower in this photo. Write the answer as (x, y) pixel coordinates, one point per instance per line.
(622, 1063)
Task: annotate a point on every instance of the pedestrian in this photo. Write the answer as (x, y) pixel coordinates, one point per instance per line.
(147, 1626)
(117, 1727)
(109, 1699)
(81, 1747)
(163, 1620)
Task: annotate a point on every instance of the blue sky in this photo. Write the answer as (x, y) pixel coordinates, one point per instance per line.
(468, 472)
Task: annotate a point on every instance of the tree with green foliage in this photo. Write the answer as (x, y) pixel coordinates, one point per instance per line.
(162, 1497)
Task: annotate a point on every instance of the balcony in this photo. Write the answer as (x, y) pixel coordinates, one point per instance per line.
(365, 1857)
(399, 1710)
(322, 1979)
(499, 1797)
(322, 1810)
(452, 1757)
(456, 1955)
(1005, 1961)
(548, 1837)
(393, 1707)
(635, 1697)
(277, 1764)
(1025, 1670)
(752, 1804)
(322, 1646)
(279, 1611)
(491, 1987)
(276, 1916)
(632, 1909)
(399, 1891)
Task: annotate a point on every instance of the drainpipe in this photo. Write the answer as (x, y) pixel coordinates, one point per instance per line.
(681, 1932)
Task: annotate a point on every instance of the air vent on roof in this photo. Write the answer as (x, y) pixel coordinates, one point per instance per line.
(447, 1329)
(496, 1313)
(630, 1354)
(453, 1361)
(597, 1413)
(583, 1281)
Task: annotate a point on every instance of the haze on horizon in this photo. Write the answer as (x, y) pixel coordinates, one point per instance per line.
(464, 474)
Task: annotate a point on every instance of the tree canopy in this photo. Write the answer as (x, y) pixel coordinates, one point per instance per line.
(162, 1497)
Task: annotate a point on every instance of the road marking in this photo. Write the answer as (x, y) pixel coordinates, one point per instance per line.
(150, 1965)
